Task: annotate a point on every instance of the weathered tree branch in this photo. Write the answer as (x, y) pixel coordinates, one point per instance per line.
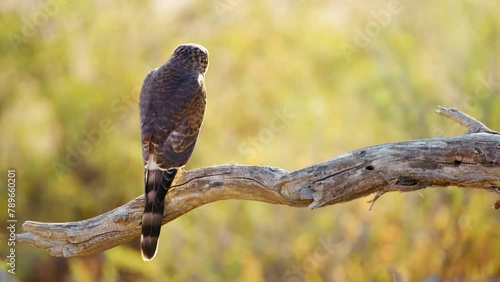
(469, 161)
(473, 125)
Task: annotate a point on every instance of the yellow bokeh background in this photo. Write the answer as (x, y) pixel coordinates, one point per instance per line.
(334, 75)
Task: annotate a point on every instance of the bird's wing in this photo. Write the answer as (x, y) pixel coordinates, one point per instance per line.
(188, 126)
(146, 118)
(171, 113)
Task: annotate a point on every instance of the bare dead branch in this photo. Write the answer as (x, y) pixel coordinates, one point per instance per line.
(473, 125)
(468, 161)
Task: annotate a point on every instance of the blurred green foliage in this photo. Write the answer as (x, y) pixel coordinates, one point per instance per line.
(339, 75)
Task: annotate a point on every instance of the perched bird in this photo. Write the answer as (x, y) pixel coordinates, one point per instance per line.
(171, 107)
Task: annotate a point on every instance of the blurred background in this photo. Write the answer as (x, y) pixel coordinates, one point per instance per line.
(336, 75)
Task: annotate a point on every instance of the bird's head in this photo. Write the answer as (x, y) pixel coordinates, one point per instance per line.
(193, 56)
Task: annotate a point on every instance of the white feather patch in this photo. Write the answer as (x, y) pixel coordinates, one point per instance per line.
(151, 164)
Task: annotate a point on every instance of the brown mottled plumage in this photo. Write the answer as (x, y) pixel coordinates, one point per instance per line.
(171, 106)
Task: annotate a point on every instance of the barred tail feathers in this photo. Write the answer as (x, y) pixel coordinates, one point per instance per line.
(156, 186)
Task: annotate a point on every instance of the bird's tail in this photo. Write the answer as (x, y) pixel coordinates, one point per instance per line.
(156, 183)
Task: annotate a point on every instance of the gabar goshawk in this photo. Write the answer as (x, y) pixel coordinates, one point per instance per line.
(171, 107)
